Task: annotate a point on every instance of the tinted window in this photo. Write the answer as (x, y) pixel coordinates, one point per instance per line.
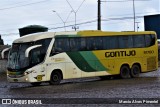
(90, 43)
(138, 41)
(125, 41)
(110, 42)
(94, 43)
(83, 44)
(152, 39)
(98, 43)
(61, 45)
(148, 40)
(77, 44)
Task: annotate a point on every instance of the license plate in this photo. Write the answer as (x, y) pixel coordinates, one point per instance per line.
(15, 80)
(39, 77)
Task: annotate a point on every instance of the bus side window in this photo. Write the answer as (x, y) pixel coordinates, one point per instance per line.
(125, 42)
(148, 40)
(74, 44)
(152, 40)
(94, 43)
(110, 42)
(89, 43)
(98, 43)
(82, 44)
(138, 41)
(60, 45)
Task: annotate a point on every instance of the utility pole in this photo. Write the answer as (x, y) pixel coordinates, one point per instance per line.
(99, 15)
(64, 22)
(75, 27)
(134, 16)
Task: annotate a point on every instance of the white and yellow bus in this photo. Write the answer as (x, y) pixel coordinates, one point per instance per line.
(51, 57)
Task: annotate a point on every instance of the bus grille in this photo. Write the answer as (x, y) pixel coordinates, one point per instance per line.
(151, 63)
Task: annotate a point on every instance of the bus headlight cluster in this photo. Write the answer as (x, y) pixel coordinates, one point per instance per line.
(26, 73)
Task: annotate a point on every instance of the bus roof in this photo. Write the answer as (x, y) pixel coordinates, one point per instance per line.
(107, 33)
(39, 36)
(43, 35)
(34, 37)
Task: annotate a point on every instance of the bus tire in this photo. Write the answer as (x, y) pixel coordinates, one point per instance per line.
(135, 71)
(36, 83)
(125, 72)
(56, 78)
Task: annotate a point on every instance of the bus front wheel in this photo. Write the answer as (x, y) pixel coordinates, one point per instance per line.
(124, 72)
(55, 78)
(135, 71)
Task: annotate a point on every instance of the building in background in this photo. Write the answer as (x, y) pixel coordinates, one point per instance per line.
(1, 41)
(152, 23)
(2, 48)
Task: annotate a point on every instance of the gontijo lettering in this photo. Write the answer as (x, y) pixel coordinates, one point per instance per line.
(120, 53)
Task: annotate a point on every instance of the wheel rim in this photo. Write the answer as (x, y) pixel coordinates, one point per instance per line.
(55, 78)
(125, 72)
(135, 71)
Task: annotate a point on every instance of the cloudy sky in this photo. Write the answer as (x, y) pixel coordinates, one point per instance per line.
(116, 15)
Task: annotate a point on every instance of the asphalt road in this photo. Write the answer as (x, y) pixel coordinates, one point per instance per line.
(95, 91)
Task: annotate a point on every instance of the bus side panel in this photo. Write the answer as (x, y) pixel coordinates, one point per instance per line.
(72, 71)
(109, 64)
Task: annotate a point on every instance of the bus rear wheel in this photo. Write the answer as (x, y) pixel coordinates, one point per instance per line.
(56, 78)
(135, 71)
(124, 72)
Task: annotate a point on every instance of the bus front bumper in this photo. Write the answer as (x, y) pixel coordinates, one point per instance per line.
(24, 78)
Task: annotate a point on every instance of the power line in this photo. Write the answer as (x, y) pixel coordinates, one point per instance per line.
(109, 19)
(83, 23)
(22, 5)
(10, 34)
(123, 0)
(122, 18)
(15, 3)
(75, 12)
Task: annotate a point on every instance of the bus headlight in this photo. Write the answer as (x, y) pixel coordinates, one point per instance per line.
(26, 73)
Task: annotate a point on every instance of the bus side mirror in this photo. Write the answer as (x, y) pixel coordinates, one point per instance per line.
(30, 48)
(3, 52)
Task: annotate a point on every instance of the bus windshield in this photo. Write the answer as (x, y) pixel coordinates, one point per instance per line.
(17, 60)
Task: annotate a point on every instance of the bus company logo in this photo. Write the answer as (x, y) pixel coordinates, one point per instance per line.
(120, 53)
(6, 101)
